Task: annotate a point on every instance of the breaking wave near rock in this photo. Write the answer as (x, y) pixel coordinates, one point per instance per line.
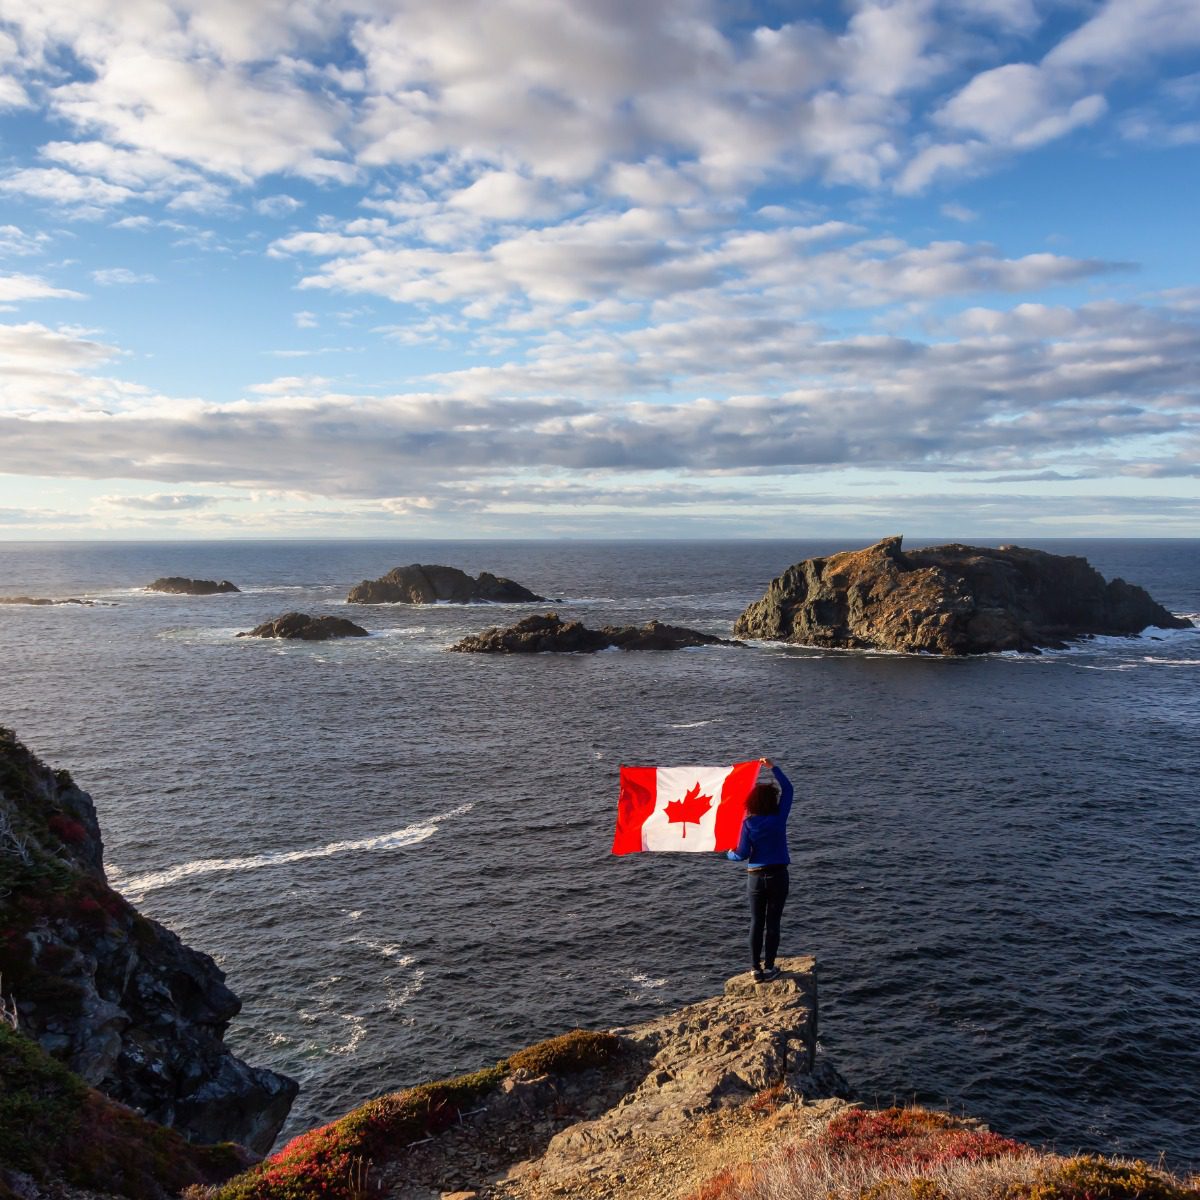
(136, 886)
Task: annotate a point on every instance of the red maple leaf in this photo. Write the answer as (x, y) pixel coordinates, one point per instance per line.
(691, 808)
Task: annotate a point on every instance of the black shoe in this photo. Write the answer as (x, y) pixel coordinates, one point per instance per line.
(758, 974)
(771, 972)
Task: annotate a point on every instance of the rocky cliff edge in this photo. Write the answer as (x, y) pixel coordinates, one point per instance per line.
(114, 996)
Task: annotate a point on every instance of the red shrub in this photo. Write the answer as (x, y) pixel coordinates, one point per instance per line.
(917, 1136)
(68, 829)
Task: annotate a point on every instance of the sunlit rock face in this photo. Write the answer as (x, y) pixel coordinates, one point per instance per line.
(949, 600)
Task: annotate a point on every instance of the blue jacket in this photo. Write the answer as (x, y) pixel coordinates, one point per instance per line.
(764, 839)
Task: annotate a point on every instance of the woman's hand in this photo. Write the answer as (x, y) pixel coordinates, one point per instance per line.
(766, 762)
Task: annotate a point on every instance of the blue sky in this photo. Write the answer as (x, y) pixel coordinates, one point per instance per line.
(520, 268)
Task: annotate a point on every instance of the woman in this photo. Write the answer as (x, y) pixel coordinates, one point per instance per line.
(763, 846)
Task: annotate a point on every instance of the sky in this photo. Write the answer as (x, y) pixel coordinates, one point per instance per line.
(599, 268)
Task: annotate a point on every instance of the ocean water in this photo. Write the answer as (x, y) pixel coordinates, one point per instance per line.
(400, 855)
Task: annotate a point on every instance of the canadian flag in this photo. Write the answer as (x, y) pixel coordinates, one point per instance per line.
(689, 809)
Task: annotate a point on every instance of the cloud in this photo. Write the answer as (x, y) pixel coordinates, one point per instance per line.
(1016, 390)
(1018, 106)
(15, 242)
(16, 288)
(278, 205)
(85, 196)
(114, 276)
(161, 502)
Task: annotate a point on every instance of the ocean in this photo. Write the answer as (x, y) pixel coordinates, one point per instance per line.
(400, 856)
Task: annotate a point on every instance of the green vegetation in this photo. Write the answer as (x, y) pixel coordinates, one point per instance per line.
(568, 1054)
(52, 1125)
(333, 1161)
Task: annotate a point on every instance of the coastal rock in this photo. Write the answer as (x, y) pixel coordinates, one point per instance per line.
(549, 633)
(948, 600)
(305, 628)
(116, 997)
(177, 585)
(712, 1055)
(42, 601)
(421, 584)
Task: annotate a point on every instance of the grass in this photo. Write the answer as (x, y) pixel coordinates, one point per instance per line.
(919, 1154)
(333, 1162)
(54, 1127)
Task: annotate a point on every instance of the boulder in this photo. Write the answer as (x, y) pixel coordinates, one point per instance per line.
(115, 996)
(177, 585)
(420, 584)
(949, 600)
(550, 633)
(305, 628)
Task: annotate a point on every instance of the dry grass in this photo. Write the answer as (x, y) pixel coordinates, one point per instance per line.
(915, 1154)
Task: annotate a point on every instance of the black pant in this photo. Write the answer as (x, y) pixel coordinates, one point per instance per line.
(767, 890)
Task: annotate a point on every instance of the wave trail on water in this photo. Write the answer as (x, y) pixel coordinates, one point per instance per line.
(136, 886)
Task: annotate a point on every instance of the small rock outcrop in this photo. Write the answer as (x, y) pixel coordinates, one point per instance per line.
(306, 629)
(420, 584)
(948, 600)
(42, 601)
(117, 998)
(177, 585)
(548, 632)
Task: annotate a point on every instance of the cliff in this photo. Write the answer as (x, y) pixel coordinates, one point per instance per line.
(948, 600)
(117, 998)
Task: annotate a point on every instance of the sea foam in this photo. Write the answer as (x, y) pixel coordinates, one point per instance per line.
(136, 886)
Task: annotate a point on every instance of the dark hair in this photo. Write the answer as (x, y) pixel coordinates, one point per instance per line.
(763, 799)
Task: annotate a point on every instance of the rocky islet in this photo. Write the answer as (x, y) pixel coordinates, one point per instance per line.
(549, 633)
(178, 585)
(948, 600)
(432, 584)
(300, 626)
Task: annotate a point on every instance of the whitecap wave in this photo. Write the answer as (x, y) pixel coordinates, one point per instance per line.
(136, 886)
(694, 724)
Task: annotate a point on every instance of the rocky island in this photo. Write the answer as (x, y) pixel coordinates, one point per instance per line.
(302, 627)
(948, 600)
(549, 633)
(113, 996)
(431, 584)
(177, 585)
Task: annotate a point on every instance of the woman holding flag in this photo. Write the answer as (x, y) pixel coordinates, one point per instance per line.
(763, 847)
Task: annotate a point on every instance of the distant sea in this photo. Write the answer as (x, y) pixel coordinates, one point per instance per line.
(400, 856)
